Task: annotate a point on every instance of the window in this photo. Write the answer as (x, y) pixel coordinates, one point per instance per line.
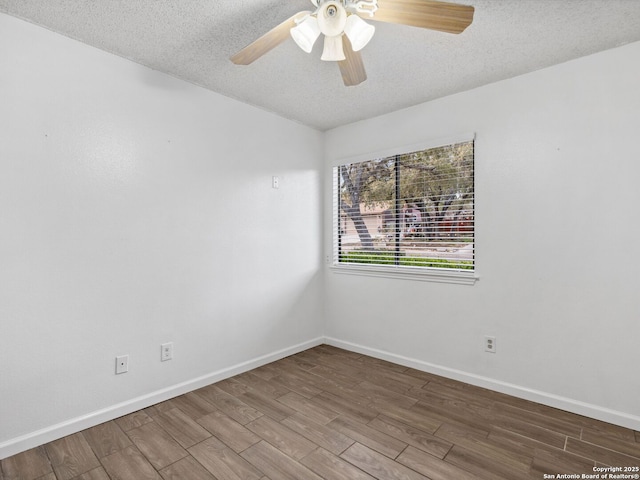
(410, 214)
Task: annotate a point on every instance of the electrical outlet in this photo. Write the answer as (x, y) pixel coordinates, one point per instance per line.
(275, 182)
(489, 344)
(122, 364)
(166, 351)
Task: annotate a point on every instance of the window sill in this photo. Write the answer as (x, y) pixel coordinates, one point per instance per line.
(439, 275)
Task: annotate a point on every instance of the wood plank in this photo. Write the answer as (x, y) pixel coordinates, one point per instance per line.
(631, 448)
(266, 372)
(133, 420)
(193, 405)
(352, 395)
(421, 419)
(308, 407)
(546, 459)
(222, 462)
(186, 469)
(432, 467)
(342, 405)
(554, 462)
(465, 433)
(106, 438)
(282, 437)
(325, 437)
(232, 406)
(398, 382)
(266, 405)
(482, 466)
(538, 419)
(336, 352)
(412, 436)
(529, 430)
(372, 363)
(370, 437)
(462, 411)
(266, 387)
(50, 476)
(276, 464)
(95, 474)
(333, 382)
(158, 408)
(151, 411)
(530, 406)
(380, 395)
(129, 464)
(232, 386)
(71, 456)
(327, 465)
(298, 362)
(436, 379)
(442, 393)
(377, 465)
(30, 464)
(422, 375)
(345, 368)
(181, 427)
(600, 454)
(482, 447)
(297, 383)
(338, 377)
(519, 444)
(232, 433)
(157, 445)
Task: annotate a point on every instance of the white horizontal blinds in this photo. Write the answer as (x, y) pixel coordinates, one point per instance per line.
(437, 197)
(409, 210)
(365, 192)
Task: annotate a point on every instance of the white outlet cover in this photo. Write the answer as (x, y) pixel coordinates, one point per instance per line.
(166, 351)
(490, 344)
(122, 364)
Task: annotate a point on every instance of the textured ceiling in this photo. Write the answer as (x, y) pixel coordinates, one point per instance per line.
(193, 40)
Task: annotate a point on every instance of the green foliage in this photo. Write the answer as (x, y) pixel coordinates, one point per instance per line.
(433, 177)
(389, 258)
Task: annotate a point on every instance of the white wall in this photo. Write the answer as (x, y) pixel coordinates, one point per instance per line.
(557, 171)
(137, 209)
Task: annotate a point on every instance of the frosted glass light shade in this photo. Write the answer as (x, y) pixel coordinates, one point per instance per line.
(332, 18)
(333, 51)
(306, 33)
(359, 32)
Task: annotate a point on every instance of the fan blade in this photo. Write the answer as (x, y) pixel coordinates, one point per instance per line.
(432, 14)
(267, 42)
(352, 68)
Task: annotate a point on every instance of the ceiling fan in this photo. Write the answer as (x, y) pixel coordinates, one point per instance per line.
(346, 33)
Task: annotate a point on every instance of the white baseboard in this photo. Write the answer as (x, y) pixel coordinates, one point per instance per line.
(54, 432)
(575, 406)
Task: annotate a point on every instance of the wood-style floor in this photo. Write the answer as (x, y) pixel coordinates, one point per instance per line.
(331, 414)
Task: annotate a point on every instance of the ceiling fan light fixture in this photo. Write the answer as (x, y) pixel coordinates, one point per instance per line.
(359, 32)
(306, 33)
(333, 51)
(332, 17)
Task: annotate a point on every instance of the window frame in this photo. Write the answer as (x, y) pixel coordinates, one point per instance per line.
(430, 274)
